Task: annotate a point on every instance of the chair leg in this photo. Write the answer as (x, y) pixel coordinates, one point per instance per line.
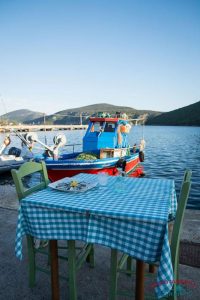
(152, 269)
(54, 270)
(176, 279)
(31, 259)
(72, 269)
(177, 266)
(173, 294)
(49, 255)
(129, 265)
(113, 275)
(90, 257)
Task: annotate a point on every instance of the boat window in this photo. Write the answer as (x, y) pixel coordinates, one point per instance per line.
(110, 127)
(96, 126)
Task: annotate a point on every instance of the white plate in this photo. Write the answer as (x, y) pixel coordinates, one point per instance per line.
(72, 185)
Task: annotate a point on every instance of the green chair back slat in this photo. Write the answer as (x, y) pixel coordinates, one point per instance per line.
(187, 175)
(175, 240)
(182, 201)
(26, 169)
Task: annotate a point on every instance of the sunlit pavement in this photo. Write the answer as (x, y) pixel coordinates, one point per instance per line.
(92, 283)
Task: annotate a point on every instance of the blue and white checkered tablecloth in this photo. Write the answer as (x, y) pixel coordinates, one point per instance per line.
(128, 214)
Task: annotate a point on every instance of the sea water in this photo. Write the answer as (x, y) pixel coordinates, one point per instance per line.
(169, 151)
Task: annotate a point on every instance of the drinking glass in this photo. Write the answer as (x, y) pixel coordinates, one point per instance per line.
(120, 185)
(102, 179)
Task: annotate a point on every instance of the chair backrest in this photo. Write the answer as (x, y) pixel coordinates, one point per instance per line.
(26, 169)
(183, 197)
(187, 175)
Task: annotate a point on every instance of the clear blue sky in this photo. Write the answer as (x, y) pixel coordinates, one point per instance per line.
(56, 55)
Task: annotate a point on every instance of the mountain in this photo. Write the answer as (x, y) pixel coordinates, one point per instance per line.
(72, 115)
(185, 116)
(21, 116)
(188, 115)
(105, 107)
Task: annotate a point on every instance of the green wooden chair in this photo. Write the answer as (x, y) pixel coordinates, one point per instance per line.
(186, 177)
(117, 266)
(24, 190)
(84, 253)
(176, 233)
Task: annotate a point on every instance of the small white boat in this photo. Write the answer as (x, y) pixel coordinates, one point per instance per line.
(11, 158)
(8, 162)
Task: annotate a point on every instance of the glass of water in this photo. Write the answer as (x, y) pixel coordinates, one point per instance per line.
(102, 179)
(120, 185)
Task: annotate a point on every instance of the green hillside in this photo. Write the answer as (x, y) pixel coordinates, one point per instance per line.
(94, 108)
(72, 115)
(185, 116)
(188, 115)
(21, 116)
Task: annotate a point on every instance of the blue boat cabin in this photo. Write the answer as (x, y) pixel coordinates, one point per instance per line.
(105, 133)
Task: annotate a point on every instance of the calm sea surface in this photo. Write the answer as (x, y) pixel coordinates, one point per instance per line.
(169, 151)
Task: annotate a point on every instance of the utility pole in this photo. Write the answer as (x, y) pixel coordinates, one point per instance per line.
(81, 118)
(45, 137)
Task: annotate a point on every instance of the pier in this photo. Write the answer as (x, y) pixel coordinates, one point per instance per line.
(30, 128)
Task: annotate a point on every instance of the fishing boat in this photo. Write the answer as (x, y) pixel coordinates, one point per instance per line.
(13, 157)
(105, 149)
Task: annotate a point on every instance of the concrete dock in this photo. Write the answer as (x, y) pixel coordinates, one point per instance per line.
(92, 283)
(31, 128)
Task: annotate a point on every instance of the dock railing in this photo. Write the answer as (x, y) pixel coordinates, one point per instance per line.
(73, 146)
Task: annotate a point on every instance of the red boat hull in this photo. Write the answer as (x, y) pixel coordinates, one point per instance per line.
(132, 167)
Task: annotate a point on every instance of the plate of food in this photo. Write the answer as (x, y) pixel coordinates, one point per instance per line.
(72, 185)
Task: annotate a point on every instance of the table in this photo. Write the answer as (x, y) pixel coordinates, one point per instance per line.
(128, 214)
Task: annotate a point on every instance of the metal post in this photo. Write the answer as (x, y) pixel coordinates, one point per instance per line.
(45, 138)
(81, 118)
